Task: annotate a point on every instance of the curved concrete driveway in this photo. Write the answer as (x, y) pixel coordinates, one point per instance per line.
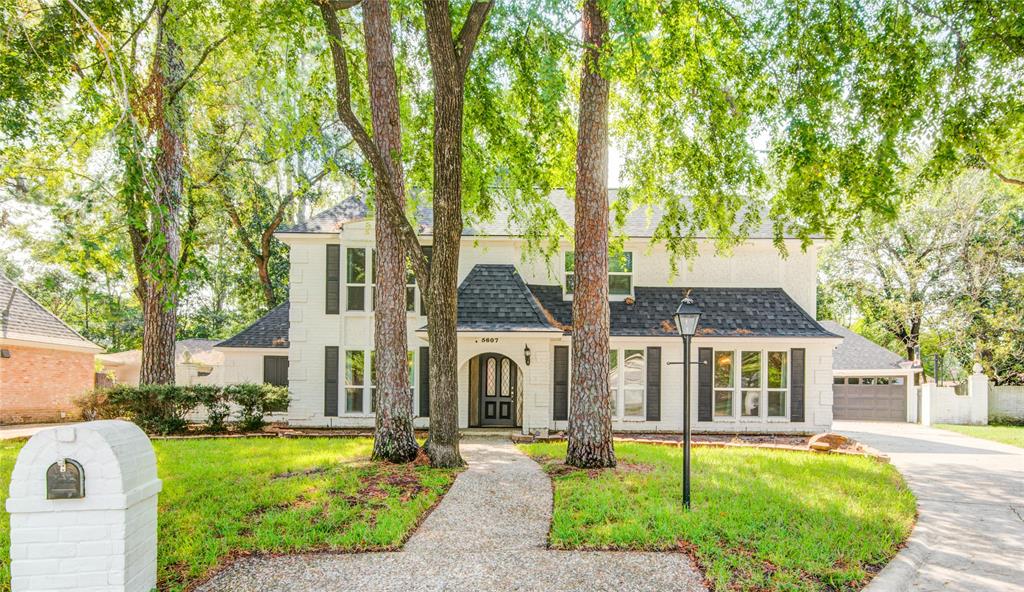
(970, 496)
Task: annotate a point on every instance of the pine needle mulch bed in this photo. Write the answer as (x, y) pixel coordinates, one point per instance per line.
(223, 498)
(762, 520)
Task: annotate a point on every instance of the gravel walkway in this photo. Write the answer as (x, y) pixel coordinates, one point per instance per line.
(488, 533)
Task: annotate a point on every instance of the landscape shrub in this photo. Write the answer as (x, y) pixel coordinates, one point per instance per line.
(255, 401)
(1006, 420)
(156, 408)
(217, 406)
(162, 408)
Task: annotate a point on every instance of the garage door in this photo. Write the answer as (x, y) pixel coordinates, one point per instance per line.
(872, 401)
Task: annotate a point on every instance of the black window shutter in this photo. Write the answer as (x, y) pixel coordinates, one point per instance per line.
(333, 279)
(796, 384)
(331, 381)
(424, 382)
(654, 384)
(275, 370)
(705, 363)
(561, 383)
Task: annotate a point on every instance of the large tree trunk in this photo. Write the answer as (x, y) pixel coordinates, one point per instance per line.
(443, 301)
(449, 61)
(590, 424)
(393, 440)
(163, 256)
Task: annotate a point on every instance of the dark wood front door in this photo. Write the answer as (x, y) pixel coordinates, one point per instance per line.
(498, 388)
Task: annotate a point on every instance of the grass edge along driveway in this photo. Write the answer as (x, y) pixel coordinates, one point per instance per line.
(761, 519)
(1004, 434)
(228, 497)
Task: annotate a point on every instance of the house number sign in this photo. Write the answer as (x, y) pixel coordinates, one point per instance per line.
(487, 340)
(65, 479)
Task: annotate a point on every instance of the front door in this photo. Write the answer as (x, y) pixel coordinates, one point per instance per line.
(498, 386)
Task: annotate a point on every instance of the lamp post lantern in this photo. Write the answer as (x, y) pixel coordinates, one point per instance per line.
(687, 316)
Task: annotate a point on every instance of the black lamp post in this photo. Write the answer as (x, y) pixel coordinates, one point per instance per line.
(686, 317)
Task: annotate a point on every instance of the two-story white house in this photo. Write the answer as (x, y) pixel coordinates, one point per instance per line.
(765, 363)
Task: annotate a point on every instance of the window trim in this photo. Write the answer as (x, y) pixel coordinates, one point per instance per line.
(370, 303)
(366, 387)
(631, 274)
(737, 387)
(367, 281)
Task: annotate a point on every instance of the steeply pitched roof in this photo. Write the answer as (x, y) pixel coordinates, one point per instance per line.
(495, 298)
(857, 352)
(270, 330)
(21, 317)
(640, 223)
(726, 312)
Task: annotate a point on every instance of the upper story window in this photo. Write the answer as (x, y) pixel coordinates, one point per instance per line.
(359, 277)
(757, 387)
(620, 273)
(355, 279)
(627, 371)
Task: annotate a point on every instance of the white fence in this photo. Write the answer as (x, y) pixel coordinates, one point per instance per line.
(941, 404)
(1006, 401)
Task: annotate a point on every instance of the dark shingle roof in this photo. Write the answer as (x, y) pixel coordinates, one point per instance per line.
(21, 314)
(495, 298)
(639, 223)
(726, 312)
(857, 352)
(271, 330)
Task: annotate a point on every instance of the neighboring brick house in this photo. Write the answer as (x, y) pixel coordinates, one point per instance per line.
(44, 364)
(766, 362)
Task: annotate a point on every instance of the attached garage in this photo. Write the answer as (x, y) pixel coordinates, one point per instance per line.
(874, 398)
(870, 383)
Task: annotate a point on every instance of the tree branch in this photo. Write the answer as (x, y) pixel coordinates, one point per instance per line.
(388, 202)
(470, 32)
(202, 58)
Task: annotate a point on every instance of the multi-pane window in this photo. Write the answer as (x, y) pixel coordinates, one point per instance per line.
(723, 383)
(355, 279)
(357, 382)
(756, 388)
(778, 383)
(620, 273)
(626, 382)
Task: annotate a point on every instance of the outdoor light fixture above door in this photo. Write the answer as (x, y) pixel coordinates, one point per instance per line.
(526, 354)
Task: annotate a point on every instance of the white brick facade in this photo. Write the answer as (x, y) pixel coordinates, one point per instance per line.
(104, 542)
(754, 264)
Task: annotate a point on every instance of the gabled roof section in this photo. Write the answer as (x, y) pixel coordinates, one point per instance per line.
(640, 223)
(726, 312)
(332, 219)
(269, 331)
(495, 298)
(857, 352)
(21, 317)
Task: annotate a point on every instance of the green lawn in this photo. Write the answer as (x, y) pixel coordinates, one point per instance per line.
(1012, 435)
(231, 496)
(761, 519)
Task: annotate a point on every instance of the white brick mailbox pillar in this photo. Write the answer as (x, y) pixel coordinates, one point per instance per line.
(83, 510)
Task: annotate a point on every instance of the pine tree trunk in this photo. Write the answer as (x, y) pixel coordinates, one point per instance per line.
(590, 424)
(159, 289)
(394, 440)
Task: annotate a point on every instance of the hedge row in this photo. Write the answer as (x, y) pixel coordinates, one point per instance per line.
(162, 409)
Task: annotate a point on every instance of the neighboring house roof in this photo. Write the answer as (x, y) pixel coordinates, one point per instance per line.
(857, 352)
(495, 298)
(640, 223)
(269, 331)
(186, 351)
(22, 318)
(726, 312)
